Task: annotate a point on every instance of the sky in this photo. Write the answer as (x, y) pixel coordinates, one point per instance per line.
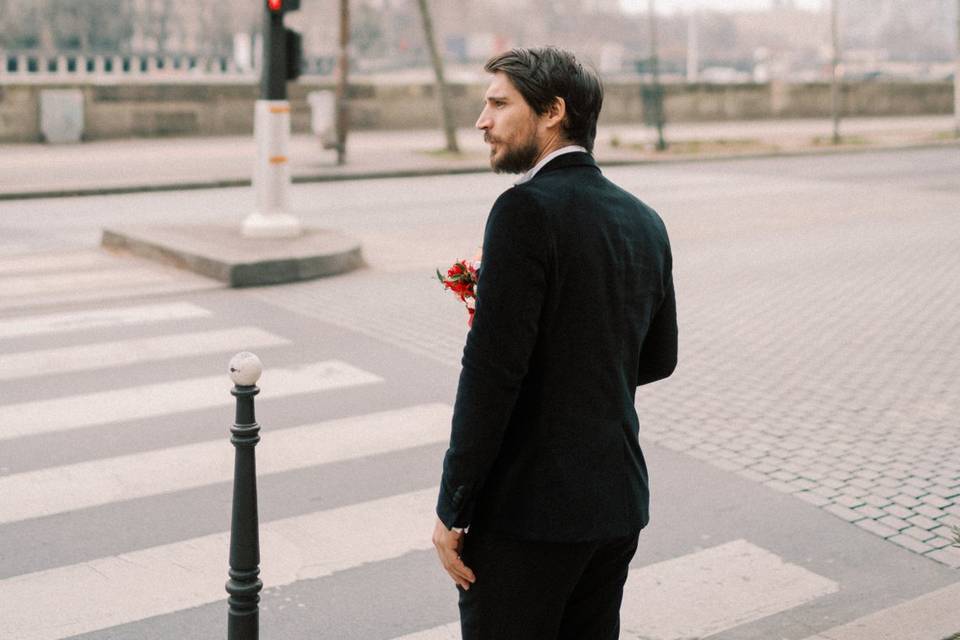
(730, 5)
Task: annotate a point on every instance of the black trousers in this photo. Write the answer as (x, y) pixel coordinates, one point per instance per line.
(527, 590)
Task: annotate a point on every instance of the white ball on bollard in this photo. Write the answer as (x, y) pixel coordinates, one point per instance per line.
(245, 369)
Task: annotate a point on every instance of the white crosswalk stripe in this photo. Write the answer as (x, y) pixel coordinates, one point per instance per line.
(444, 632)
(59, 489)
(37, 263)
(701, 594)
(121, 405)
(88, 276)
(117, 353)
(59, 603)
(32, 285)
(712, 590)
(50, 323)
(109, 290)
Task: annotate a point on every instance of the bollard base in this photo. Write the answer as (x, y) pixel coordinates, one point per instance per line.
(226, 254)
(275, 225)
(243, 626)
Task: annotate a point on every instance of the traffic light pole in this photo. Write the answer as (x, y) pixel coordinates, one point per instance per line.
(271, 179)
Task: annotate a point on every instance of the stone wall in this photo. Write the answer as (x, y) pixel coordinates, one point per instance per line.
(190, 109)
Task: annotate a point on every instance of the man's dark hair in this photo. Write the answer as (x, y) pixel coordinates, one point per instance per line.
(542, 75)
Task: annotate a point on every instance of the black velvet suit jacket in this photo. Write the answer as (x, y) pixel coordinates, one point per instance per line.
(575, 309)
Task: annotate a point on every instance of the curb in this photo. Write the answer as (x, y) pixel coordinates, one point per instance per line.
(442, 171)
(223, 253)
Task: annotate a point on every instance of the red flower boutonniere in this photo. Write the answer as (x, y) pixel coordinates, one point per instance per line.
(461, 279)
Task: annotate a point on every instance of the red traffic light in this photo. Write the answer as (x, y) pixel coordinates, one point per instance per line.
(275, 5)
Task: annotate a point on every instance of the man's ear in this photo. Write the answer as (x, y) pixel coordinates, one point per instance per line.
(556, 113)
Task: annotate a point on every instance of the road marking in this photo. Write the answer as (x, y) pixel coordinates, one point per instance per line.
(700, 594)
(446, 632)
(99, 318)
(66, 601)
(121, 405)
(37, 262)
(932, 615)
(103, 355)
(22, 286)
(97, 482)
(183, 282)
(720, 588)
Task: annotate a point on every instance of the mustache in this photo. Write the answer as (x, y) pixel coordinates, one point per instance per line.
(487, 138)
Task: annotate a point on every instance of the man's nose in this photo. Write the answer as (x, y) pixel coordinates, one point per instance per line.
(483, 122)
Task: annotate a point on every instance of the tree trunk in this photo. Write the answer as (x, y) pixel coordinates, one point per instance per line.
(956, 81)
(343, 67)
(449, 127)
(835, 74)
(655, 72)
(163, 27)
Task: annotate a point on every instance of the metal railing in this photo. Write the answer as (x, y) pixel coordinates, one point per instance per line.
(40, 68)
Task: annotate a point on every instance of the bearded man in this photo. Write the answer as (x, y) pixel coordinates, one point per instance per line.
(544, 488)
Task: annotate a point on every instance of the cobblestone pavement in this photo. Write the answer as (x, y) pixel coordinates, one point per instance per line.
(819, 304)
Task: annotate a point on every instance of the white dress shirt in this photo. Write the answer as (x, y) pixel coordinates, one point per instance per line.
(528, 176)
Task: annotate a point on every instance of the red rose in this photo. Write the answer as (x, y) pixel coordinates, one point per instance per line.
(461, 280)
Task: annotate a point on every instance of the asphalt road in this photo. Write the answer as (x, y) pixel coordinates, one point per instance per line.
(804, 458)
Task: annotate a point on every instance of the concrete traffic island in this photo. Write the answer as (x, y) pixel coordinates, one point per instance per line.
(223, 253)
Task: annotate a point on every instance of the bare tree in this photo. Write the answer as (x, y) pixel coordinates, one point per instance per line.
(835, 67)
(155, 22)
(46, 32)
(343, 64)
(20, 23)
(449, 126)
(956, 81)
(657, 96)
(107, 25)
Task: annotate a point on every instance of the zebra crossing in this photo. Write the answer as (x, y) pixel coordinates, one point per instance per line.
(694, 595)
(84, 276)
(691, 596)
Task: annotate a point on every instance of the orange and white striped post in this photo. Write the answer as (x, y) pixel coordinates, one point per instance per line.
(271, 217)
(271, 178)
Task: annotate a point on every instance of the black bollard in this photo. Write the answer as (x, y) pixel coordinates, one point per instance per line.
(244, 585)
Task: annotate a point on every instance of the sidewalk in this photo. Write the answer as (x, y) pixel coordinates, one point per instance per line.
(39, 170)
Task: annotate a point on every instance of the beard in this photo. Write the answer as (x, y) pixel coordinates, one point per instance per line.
(516, 159)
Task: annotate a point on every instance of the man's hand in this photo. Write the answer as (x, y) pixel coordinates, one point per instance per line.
(448, 544)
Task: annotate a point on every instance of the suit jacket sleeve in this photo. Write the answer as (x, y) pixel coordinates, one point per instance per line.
(496, 356)
(658, 355)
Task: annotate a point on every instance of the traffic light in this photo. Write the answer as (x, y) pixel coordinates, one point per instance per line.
(294, 46)
(283, 6)
(282, 50)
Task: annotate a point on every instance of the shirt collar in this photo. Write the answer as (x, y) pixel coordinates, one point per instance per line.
(528, 176)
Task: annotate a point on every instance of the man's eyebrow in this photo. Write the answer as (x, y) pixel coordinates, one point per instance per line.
(493, 98)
